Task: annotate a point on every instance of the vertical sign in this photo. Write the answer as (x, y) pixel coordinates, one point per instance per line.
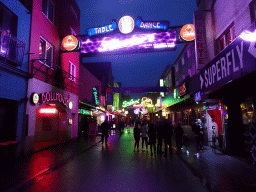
(200, 39)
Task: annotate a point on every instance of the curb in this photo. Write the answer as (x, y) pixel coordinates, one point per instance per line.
(51, 168)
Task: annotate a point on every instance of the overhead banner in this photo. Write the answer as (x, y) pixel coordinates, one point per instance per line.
(236, 60)
(102, 30)
(134, 43)
(152, 24)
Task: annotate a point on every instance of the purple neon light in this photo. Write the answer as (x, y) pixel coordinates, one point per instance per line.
(138, 41)
(248, 36)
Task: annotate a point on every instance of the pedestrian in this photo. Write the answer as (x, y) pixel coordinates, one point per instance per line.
(152, 137)
(105, 127)
(137, 133)
(179, 132)
(168, 132)
(197, 129)
(144, 135)
(128, 124)
(159, 135)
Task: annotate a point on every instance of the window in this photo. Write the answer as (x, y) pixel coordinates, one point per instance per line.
(226, 38)
(253, 10)
(176, 68)
(183, 61)
(72, 71)
(48, 9)
(45, 52)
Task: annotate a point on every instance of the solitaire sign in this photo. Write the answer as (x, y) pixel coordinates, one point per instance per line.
(187, 32)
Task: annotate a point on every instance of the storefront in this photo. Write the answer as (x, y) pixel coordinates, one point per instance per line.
(52, 115)
(229, 79)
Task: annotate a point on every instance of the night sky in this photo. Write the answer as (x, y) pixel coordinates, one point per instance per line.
(143, 69)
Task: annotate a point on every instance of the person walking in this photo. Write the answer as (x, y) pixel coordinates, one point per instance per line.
(168, 132)
(137, 133)
(179, 132)
(159, 134)
(196, 128)
(128, 124)
(152, 137)
(144, 135)
(105, 127)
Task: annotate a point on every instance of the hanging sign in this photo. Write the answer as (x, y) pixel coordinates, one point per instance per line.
(102, 30)
(152, 24)
(69, 42)
(187, 32)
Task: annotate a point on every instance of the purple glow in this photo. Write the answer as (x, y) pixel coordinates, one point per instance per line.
(162, 40)
(248, 35)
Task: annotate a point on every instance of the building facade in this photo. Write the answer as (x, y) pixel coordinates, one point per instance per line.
(226, 70)
(52, 110)
(14, 45)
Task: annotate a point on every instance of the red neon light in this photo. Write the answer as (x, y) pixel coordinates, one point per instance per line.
(48, 110)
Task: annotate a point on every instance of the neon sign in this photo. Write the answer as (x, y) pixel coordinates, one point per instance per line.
(102, 30)
(126, 24)
(151, 24)
(138, 42)
(95, 94)
(54, 96)
(187, 32)
(131, 102)
(70, 42)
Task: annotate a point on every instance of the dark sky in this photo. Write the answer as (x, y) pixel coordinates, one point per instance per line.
(136, 70)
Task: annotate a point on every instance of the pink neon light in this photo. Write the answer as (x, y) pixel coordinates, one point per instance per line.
(137, 41)
(48, 110)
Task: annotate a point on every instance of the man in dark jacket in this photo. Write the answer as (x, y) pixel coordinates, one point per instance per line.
(179, 137)
(168, 132)
(105, 127)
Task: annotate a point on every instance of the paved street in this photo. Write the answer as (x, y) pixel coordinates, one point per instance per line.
(117, 167)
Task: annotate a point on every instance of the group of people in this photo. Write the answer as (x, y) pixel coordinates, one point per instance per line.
(152, 134)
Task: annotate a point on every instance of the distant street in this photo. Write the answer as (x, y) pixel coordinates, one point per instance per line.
(118, 168)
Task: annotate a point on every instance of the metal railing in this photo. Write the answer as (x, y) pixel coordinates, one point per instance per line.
(53, 74)
(11, 48)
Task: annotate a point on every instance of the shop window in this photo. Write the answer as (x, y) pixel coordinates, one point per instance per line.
(48, 9)
(45, 52)
(247, 112)
(72, 71)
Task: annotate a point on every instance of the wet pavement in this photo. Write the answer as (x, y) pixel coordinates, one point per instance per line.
(117, 167)
(84, 165)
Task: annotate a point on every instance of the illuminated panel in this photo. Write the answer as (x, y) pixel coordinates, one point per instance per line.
(48, 110)
(164, 40)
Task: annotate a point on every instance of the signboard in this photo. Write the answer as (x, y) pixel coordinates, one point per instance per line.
(102, 30)
(130, 43)
(70, 42)
(236, 60)
(187, 32)
(182, 90)
(48, 97)
(200, 40)
(152, 24)
(95, 95)
(197, 96)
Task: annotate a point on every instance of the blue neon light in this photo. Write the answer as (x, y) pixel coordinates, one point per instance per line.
(102, 30)
(151, 24)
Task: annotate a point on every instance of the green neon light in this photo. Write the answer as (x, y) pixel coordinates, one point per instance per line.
(131, 102)
(84, 112)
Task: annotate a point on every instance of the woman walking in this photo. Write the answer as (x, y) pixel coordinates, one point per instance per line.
(144, 135)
